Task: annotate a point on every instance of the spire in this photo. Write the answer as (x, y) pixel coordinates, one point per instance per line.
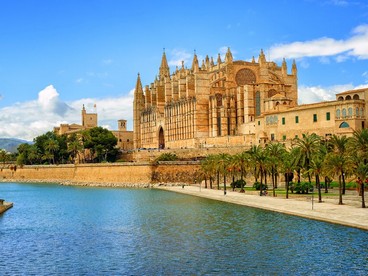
(195, 65)
(164, 68)
(138, 92)
(294, 70)
(284, 67)
(211, 62)
(262, 58)
(207, 62)
(253, 60)
(218, 59)
(229, 56)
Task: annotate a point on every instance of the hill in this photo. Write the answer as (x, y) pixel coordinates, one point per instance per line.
(11, 144)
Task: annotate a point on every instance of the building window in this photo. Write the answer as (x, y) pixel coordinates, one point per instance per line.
(328, 116)
(297, 119)
(314, 117)
(350, 112)
(258, 103)
(344, 125)
(338, 113)
(259, 123)
(272, 136)
(283, 137)
(296, 136)
(344, 113)
(283, 120)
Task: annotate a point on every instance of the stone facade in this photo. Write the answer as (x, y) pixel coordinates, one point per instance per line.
(89, 120)
(235, 103)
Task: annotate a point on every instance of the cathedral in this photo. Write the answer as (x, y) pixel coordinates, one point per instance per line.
(231, 103)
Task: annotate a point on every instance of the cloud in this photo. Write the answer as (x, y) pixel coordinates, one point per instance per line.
(107, 61)
(177, 56)
(27, 120)
(365, 75)
(314, 94)
(354, 46)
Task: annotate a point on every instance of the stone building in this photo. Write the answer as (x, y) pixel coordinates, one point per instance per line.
(235, 103)
(89, 120)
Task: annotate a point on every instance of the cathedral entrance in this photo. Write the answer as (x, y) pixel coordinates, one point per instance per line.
(161, 139)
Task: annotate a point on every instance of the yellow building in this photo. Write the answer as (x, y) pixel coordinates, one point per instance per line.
(235, 103)
(89, 120)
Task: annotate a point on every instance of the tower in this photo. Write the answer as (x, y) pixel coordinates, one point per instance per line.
(138, 105)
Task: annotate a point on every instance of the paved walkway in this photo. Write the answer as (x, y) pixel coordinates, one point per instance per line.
(348, 215)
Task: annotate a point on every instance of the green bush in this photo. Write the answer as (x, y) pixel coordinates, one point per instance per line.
(257, 186)
(303, 187)
(238, 184)
(167, 157)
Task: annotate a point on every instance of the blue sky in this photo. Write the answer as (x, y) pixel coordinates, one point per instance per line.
(57, 55)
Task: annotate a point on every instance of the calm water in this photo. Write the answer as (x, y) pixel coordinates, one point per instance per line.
(103, 231)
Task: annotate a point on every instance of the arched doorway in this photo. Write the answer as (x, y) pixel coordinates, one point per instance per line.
(161, 139)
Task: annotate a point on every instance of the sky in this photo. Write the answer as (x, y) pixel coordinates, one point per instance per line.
(56, 56)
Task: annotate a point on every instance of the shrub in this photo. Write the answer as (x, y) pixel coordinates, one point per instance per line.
(238, 184)
(303, 187)
(167, 157)
(257, 186)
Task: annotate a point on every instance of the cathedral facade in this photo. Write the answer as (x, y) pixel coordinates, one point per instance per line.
(234, 103)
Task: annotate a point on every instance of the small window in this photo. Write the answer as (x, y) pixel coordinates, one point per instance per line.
(283, 120)
(328, 116)
(344, 113)
(297, 119)
(272, 136)
(259, 123)
(338, 113)
(296, 136)
(283, 137)
(314, 117)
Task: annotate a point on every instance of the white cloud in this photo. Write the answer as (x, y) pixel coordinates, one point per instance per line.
(314, 94)
(26, 120)
(177, 56)
(354, 46)
(365, 75)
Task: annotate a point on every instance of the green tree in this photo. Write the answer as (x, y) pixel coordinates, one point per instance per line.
(339, 145)
(361, 171)
(51, 146)
(288, 167)
(274, 153)
(223, 161)
(240, 163)
(308, 145)
(102, 144)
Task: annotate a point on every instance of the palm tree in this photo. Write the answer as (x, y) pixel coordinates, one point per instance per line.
(339, 145)
(335, 165)
(259, 158)
(288, 166)
(253, 153)
(361, 172)
(316, 167)
(274, 152)
(241, 164)
(223, 160)
(52, 146)
(308, 146)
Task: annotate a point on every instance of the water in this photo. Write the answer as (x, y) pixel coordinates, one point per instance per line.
(59, 230)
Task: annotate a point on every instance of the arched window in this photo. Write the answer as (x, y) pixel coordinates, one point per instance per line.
(258, 103)
(341, 98)
(356, 97)
(338, 113)
(357, 112)
(350, 112)
(344, 125)
(348, 97)
(344, 113)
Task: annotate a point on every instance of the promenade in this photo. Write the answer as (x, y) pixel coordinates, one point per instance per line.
(329, 211)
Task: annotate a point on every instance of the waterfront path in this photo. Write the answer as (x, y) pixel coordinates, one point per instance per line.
(349, 215)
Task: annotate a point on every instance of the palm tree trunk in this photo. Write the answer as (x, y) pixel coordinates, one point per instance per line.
(205, 182)
(224, 184)
(273, 182)
(211, 180)
(218, 180)
(260, 184)
(326, 184)
(318, 186)
(340, 190)
(343, 183)
(362, 190)
(287, 187)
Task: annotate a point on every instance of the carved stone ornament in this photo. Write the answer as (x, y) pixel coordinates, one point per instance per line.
(245, 76)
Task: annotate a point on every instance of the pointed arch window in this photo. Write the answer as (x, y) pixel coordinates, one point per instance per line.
(258, 103)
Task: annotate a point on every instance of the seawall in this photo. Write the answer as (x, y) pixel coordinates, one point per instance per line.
(105, 174)
(5, 206)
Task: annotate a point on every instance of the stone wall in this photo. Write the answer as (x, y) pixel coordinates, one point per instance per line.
(177, 172)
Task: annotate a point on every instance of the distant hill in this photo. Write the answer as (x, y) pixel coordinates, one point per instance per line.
(11, 144)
